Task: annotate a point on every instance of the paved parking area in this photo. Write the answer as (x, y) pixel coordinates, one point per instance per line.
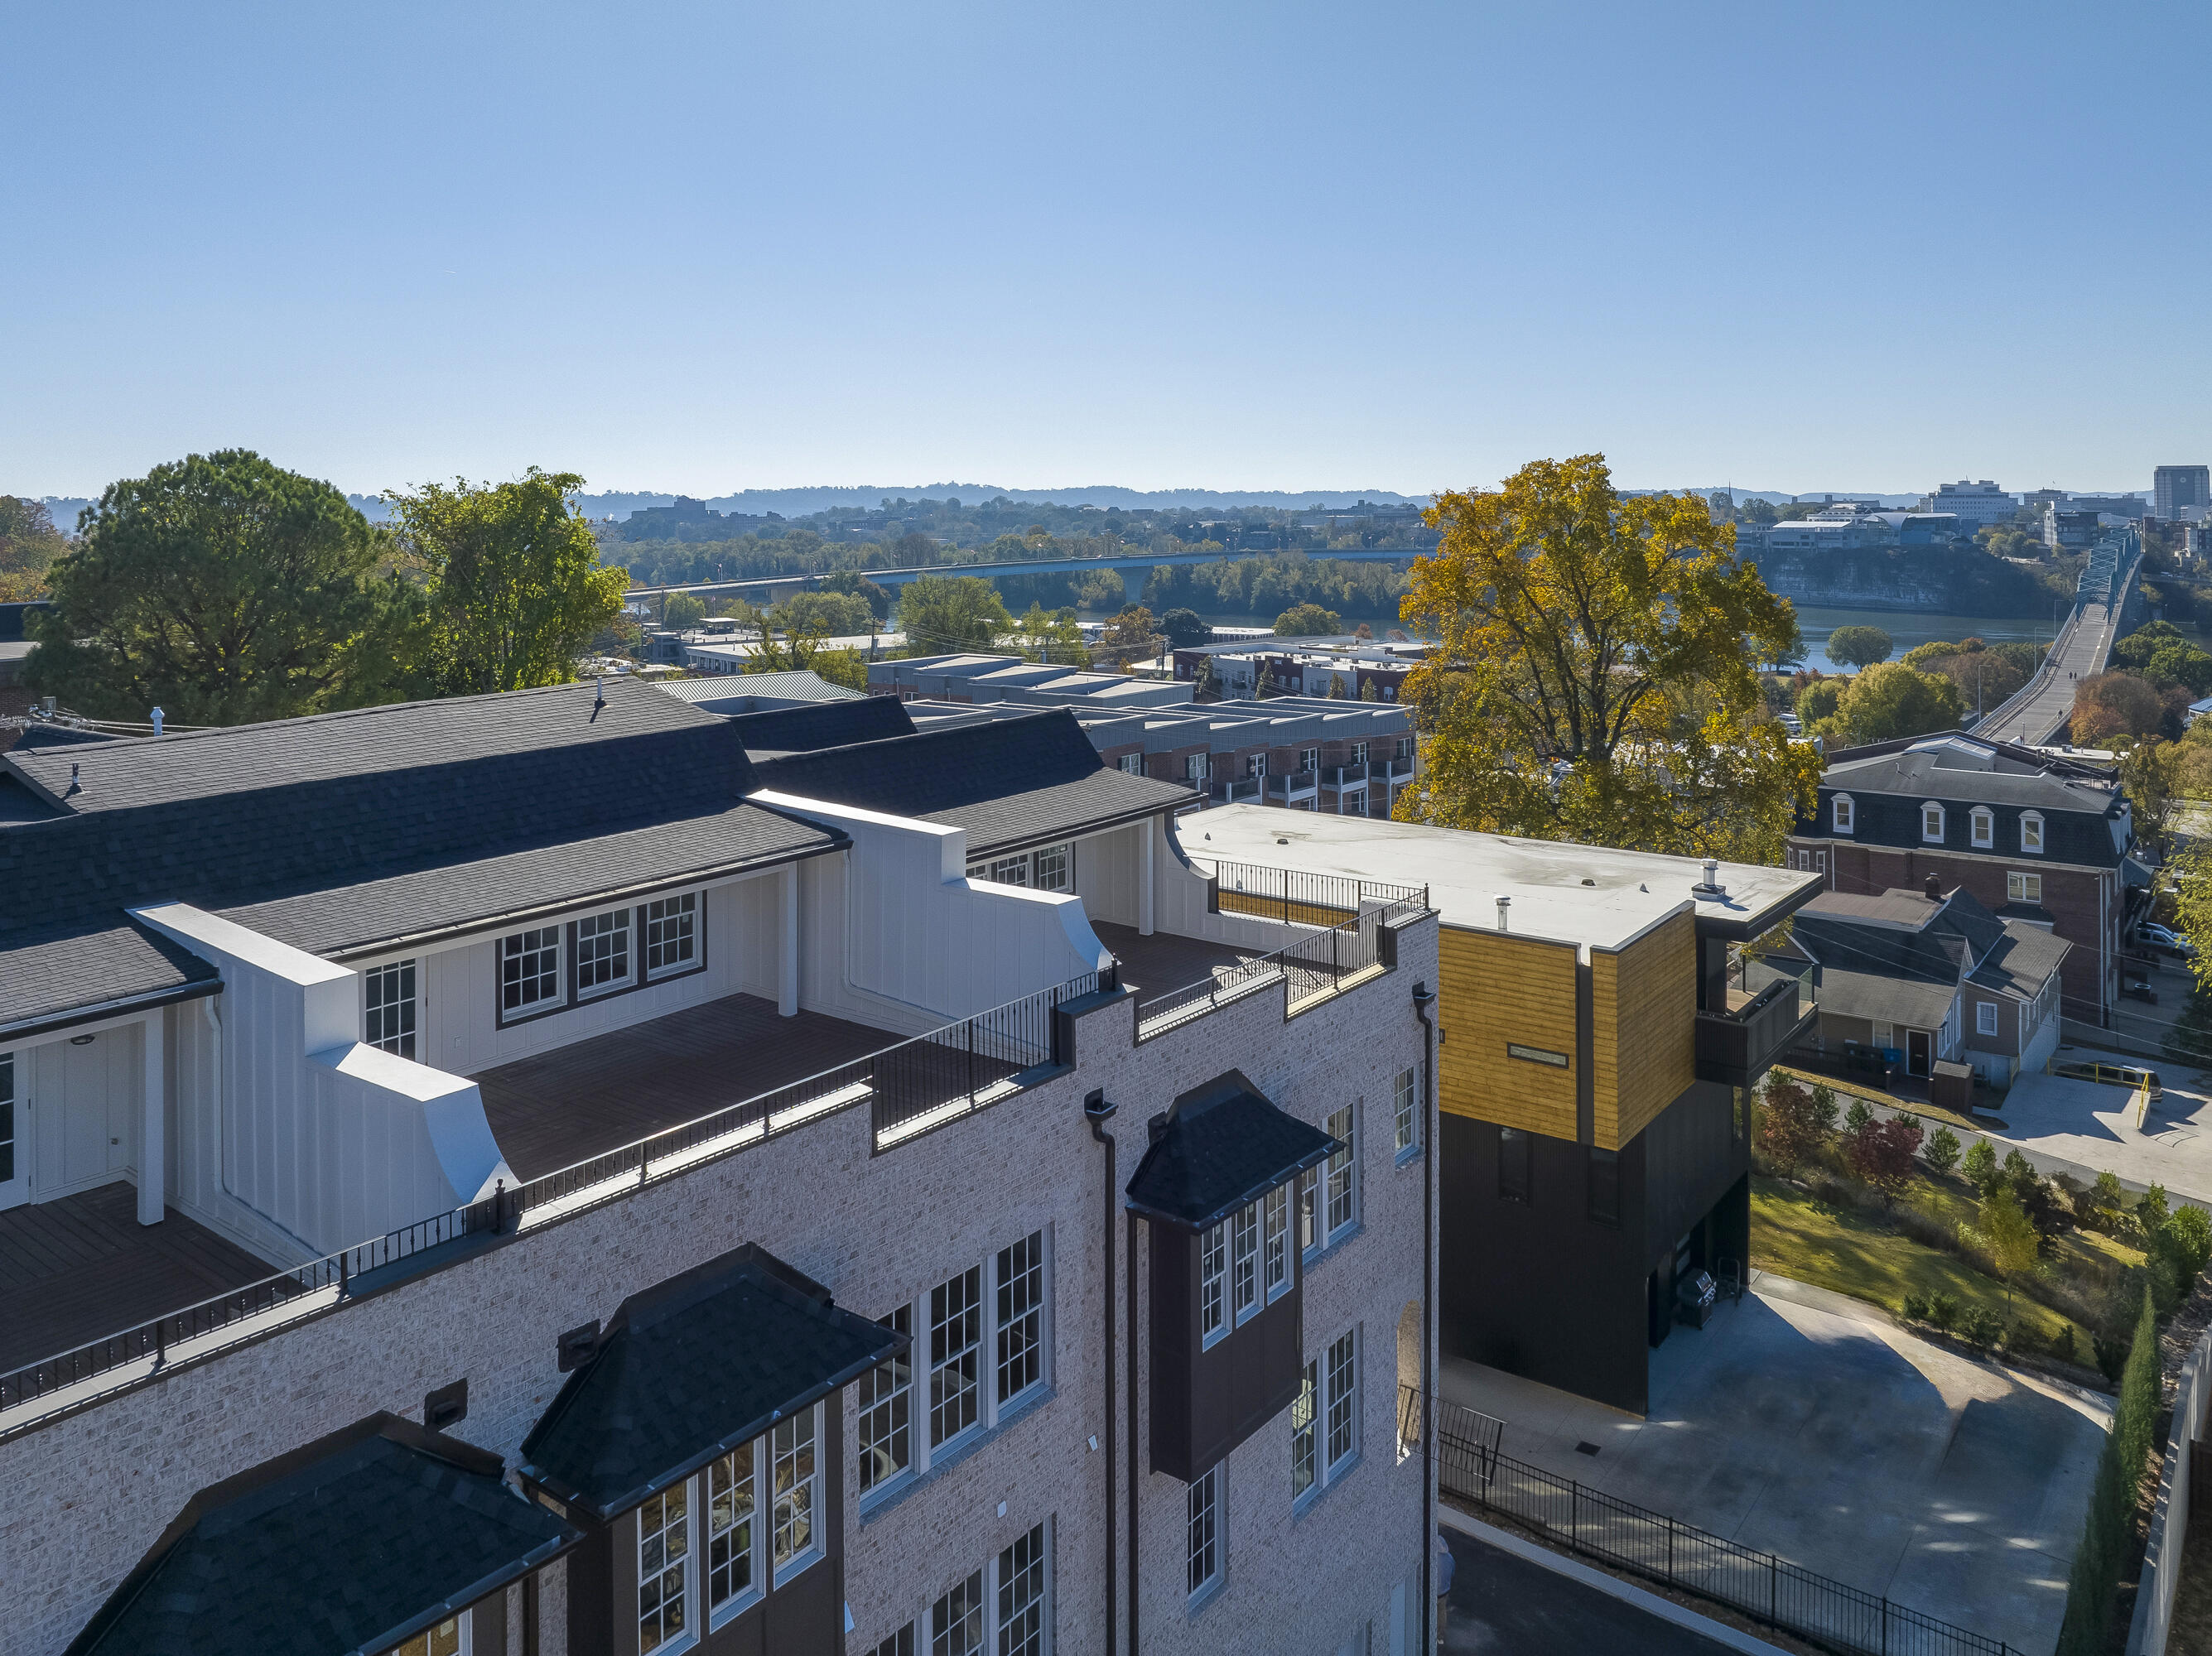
(2082, 1126)
(1503, 1604)
(1811, 1426)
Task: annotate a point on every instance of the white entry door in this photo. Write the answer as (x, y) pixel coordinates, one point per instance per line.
(14, 1150)
(84, 1092)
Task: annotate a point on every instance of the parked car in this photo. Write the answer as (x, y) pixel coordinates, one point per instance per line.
(2166, 937)
(2114, 1075)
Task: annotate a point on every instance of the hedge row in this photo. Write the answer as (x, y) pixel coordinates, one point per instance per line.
(2093, 1588)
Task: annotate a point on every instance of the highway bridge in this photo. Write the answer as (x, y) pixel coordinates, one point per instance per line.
(2084, 647)
(1135, 560)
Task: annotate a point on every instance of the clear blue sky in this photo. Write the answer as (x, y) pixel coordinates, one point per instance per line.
(1271, 245)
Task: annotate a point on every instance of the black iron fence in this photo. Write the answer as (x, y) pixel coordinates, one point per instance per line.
(1315, 966)
(911, 1085)
(1297, 897)
(1827, 1613)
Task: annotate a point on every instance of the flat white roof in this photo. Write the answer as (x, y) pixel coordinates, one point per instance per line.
(1590, 895)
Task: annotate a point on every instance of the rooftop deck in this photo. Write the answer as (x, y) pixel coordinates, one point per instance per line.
(1153, 966)
(76, 1270)
(560, 1108)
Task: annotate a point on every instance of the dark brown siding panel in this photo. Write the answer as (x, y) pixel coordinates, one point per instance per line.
(804, 1616)
(488, 1625)
(590, 1598)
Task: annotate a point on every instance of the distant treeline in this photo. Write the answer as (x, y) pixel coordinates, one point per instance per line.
(1266, 587)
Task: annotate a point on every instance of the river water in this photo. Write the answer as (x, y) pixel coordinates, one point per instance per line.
(1909, 628)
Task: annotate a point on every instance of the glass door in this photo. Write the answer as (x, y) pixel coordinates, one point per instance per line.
(15, 1153)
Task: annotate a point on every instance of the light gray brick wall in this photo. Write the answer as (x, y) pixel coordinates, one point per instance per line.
(91, 1492)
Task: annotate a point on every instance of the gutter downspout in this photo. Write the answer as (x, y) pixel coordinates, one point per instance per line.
(1423, 998)
(1097, 1111)
(1131, 1291)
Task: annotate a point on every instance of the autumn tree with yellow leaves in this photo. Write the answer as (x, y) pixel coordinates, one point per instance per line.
(1596, 679)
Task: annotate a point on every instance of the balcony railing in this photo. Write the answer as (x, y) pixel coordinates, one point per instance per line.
(1324, 963)
(1299, 898)
(1395, 772)
(1771, 1005)
(1345, 776)
(1229, 790)
(912, 1086)
(1298, 784)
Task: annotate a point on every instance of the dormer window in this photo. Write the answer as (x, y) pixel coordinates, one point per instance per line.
(1931, 823)
(2031, 833)
(1984, 823)
(1843, 813)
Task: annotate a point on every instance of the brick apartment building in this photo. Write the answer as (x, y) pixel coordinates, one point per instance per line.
(516, 1175)
(2034, 836)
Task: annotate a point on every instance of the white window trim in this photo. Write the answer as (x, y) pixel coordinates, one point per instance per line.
(690, 1636)
(1406, 1112)
(612, 986)
(643, 927)
(1843, 813)
(1213, 1243)
(1982, 828)
(2031, 819)
(1333, 1469)
(1212, 1480)
(1985, 1017)
(1279, 1203)
(1239, 1261)
(813, 1553)
(412, 964)
(557, 1001)
(924, 1456)
(1331, 1234)
(755, 1588)
(1943, 822)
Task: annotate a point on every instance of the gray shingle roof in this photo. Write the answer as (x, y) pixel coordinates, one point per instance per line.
(825, 725)
(1011, 782)
(345, 1548)
(750, 691)
(2080, 805)
(690, 1369)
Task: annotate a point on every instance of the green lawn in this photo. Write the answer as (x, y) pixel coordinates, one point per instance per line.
(1855, 1253)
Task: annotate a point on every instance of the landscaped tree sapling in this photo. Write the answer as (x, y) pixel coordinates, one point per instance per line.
(1824, 1106)
(1980, 1166)
(2106, 1195)
(1941, 1152)
(1880, 1154)
(2012, 1238)
(1788, 1127)
(1858, 1117)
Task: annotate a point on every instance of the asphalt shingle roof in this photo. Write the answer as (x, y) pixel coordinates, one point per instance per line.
(1896, 958)
(1223, 1145)
(825, 725)
(345, 1549)
(416, 817)
(965, 777)
(2080, 806)
(691, 1369)
(785, 687)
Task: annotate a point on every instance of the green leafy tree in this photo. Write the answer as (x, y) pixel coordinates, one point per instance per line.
(2013, 1242)
(833, 615)
(1367, 691)
(516, 586)
(1818, 699)
(1184, 629)
(1859, 646)
(1980, 1166)
(1893, 699)
(1858, 1117)
(682, 609)
(1308, 621)
(878, 598)
(1594, 675)
(1336, 686)
(223, 590)
(1042, 635)
(942, 615)
(1129, 636)
(29, 543)
(1942, 1153)
(1824, 1103)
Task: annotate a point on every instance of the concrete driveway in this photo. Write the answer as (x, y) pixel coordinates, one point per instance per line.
(1811, 1426)
(2083, 1127)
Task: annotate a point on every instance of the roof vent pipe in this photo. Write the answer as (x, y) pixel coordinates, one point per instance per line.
(1505, 902)
(1933, 887)
(157, 721)
(1710, 886)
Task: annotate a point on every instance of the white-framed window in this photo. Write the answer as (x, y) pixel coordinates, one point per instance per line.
(1340, 1378)
(1342, 1183)
(1196, 766)
(886, 1408)
(1255, 764)
(1309, 760)
(1406, 1112)
(956, 1347)
(1001, 1609)
(1840, 812)
(1309, 1213)
(1931, 822)
(798, 1540)
(1305, 1432)
(1985, 1018)
(1884, 1035)
(1212, 1281)
(1405, 747)
(1360, 753)
(7, 1117)
(1023, 1629)
(449, 1638)
(1020, 1282)
(664, 1568)
(1355, 804)
(1009, 871)
(1820, 862)
(1244, 1261)
(2023, 888)
(387, 994)
(530, 970)
(671, 933)
(1202, 1533)
(602, 952)
(1982, 827)
(1054, 868)
(1275, 1227)
(2031, 832)
(956, 1620)
(1133, 764)
(733, 1573)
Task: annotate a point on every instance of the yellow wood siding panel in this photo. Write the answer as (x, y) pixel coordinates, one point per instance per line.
(1644, 1008)
(1496, 988)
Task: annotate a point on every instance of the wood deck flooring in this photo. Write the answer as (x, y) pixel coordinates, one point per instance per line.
(1159, 964)
(79, 1269)
(563, 1106)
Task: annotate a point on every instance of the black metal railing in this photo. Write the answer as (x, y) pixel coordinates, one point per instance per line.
(1311, 968)
(962, 1066)
(1829, 1614)
(1299, 897)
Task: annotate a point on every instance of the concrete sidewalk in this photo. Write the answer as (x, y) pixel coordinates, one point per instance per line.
(1829, 1436)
